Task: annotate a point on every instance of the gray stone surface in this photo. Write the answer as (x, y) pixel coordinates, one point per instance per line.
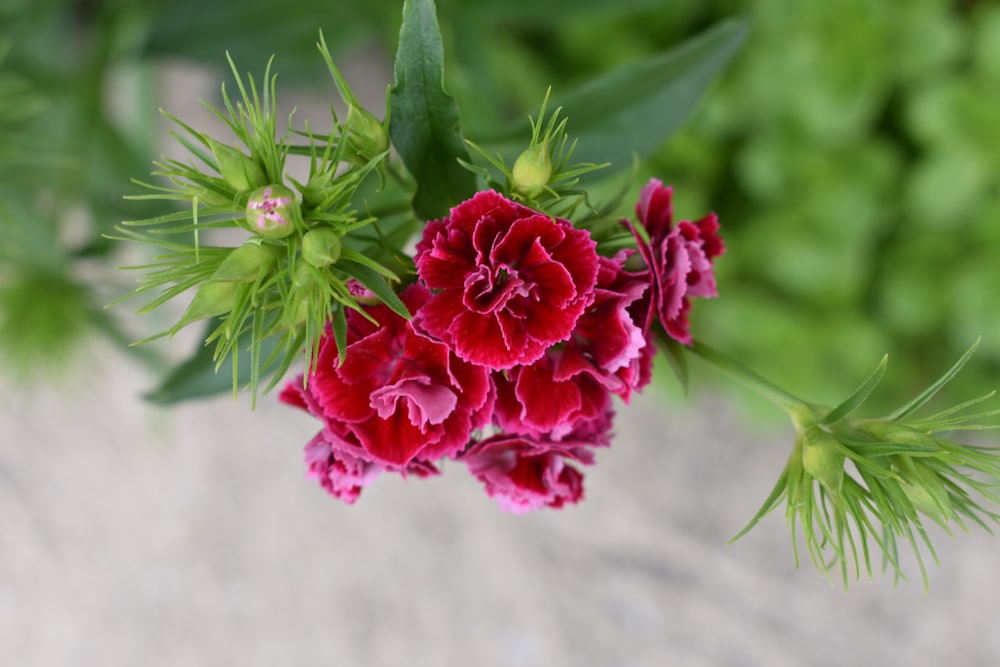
(132, 535)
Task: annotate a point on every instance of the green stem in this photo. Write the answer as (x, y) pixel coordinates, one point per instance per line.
(737, 371)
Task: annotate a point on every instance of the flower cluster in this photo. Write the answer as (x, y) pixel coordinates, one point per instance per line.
(520, 335)
(523, 314)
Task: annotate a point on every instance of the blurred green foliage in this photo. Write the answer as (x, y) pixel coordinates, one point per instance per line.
(851, 151)
(853, 154)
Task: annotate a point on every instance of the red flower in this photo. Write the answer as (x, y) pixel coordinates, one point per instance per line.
(509, 281)
(570, 387)
(679, 257)
(610, 342)
(343, 470)
(400, 399)
(342, 474)
(524, 475)
(536, 401)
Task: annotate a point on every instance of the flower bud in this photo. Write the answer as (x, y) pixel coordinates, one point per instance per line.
(316, 188)
(245, 264)
(303, 275)
(366, 135)
(532, 170)
(821, 458)
(272, 211)
(321, 247)
(239, 171)
(888, 431)
(924, 488)
(211, 300)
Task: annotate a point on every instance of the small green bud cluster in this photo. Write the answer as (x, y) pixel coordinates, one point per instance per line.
(904, 470)
(542, 176)
(291, 275)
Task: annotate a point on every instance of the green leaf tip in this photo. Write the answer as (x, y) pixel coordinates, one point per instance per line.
(424, 122)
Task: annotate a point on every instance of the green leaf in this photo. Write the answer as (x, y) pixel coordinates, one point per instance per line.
(928, 393)
(779, 491)
(197, 377)
(424, 119)
(375, 283)
(632, 110)
(858, 397)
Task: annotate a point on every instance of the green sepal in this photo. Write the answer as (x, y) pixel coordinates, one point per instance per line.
(239, 171)
(211, 300)
(246, 263)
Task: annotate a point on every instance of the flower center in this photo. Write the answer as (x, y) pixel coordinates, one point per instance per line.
(488, 289)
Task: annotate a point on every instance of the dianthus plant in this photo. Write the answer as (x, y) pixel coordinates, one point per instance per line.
(446, 308)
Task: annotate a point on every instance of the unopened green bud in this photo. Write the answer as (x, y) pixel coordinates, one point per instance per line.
(303, 275)
(314, 193)
(321, 247)
(211, 300)
(924, 488)
(239, 171)
(210, 198)
(273, 211)
(821, 458)
(366, 135)
(300, 315)
(532, 170)
(887, 431)
(245, 264)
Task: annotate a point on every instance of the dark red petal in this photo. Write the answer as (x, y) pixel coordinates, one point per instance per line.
(655, 209)
(491, 340)
(447, 257)
(394, 441)
(547, 404)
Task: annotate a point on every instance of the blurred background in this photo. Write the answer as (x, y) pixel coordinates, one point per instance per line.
(852, 152)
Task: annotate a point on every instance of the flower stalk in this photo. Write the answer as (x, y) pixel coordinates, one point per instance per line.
(854, 485)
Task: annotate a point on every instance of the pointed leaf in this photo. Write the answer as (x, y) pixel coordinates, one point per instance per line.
(424, 119)
(928, 393)
(779, 491)
(197, 377)
(376, 284)
(858, 397)
(632, 110)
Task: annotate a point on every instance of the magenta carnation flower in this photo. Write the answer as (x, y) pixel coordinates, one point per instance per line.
(538, 402)
(399, 401)
(509, 281)
(610, 342)
(340, 472)
(569, 388)
(679, 257)
(523, 475)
